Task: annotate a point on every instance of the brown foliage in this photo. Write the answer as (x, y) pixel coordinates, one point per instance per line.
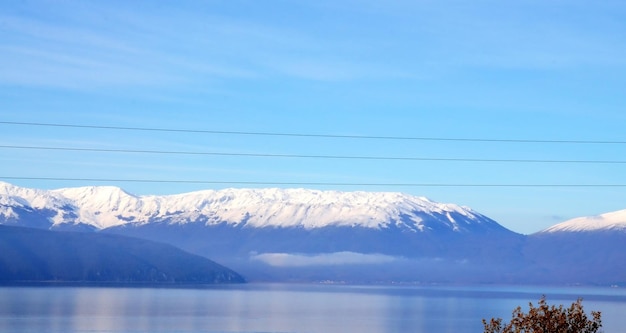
(547, 319)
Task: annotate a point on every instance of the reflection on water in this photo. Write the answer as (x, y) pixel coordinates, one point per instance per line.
(283, 308)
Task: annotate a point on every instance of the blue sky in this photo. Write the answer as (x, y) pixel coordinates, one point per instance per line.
(528, 70)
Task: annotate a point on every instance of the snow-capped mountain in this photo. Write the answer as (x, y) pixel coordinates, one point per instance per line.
(300, 234)
(615, 221)
(250, 227)
(104, 207)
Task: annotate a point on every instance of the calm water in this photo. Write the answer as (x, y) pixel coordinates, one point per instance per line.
(284, 308)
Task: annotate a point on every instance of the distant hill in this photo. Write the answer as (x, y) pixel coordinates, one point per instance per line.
(586, 250)
(35, 255)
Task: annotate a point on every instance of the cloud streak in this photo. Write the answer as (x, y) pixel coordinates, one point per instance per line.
(323, 259)
(96, 46)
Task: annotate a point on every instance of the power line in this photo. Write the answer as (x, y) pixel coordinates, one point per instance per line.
(220, 182)
(400, 158)
(311, 135)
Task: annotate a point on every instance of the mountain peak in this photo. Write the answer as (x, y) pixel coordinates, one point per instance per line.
(97, 193)
(608, 221)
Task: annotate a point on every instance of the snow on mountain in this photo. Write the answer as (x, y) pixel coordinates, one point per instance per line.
(14, 195)
(14, 198)
(608, 221)
(106, 206)
(103, 206)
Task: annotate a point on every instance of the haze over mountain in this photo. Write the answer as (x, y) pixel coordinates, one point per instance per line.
(299, 234)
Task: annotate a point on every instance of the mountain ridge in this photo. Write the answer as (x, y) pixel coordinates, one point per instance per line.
(107, 206)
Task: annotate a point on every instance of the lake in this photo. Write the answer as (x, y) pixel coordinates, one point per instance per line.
(286, 308)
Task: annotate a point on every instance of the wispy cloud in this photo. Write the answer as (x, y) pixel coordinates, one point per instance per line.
(335, 258)
(102, 46)
(98, 44)
(84, 55)
(557, 218)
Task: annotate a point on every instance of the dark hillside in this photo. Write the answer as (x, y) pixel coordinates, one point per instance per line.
(28, 254)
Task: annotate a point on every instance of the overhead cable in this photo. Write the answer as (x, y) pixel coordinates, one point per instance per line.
(269, 155)
(311, 135)
(224, 182)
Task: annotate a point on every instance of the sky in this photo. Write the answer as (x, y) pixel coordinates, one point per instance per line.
(443, 99)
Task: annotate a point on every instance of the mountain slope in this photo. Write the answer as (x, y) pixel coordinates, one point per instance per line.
(28, 255)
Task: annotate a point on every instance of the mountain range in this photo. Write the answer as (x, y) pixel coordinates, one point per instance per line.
(310, 235)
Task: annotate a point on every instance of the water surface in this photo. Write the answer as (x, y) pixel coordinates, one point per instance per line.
(285, 308)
